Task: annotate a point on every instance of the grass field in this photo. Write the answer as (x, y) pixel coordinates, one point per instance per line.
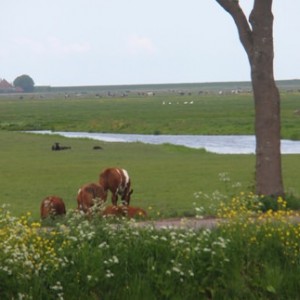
(253, 255)
(164, 177)
(209, 114)
(206, 115)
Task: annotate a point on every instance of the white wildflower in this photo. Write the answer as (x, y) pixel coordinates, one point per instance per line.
(175, 269)
(115, 259)
(57, 286)
(224, 176)
(109, 274)
(104, 245)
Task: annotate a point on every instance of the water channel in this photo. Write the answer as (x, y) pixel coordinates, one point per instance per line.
(222, 144)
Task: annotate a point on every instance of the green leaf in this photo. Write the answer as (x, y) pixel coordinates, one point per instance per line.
(271, 289)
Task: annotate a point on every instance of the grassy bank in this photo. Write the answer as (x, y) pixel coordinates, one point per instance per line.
(93, 259)
(162, 113)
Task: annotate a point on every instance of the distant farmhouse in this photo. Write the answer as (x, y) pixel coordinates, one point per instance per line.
(6, 87)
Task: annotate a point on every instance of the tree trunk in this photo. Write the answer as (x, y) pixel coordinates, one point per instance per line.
(258, 43)
(267, 102)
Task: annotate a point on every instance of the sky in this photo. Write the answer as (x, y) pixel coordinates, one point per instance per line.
(118, 42)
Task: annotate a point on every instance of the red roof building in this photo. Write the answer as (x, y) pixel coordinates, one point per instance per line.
(6, 87)
(4, 84)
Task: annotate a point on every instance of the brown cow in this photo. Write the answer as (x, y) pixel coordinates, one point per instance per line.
(89, 195)
(118, 182)
(52, 206)
(124, 211)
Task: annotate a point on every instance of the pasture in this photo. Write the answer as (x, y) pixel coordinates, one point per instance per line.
(202, 114)
(164, 177)
(94, 259)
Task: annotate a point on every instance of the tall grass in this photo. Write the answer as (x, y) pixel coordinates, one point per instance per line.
(251, 255)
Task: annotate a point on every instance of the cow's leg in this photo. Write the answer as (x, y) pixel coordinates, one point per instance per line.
(105, 196)
(114, 199)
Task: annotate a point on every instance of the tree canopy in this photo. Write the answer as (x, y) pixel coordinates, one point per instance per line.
(25, 82)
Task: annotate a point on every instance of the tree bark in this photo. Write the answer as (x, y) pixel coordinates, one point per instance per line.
(257, 41)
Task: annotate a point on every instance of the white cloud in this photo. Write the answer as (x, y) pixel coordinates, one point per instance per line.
(138, 44)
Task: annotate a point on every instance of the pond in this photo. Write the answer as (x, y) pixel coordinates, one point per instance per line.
(222, 144)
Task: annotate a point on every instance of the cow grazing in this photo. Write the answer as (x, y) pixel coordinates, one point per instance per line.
(58, 147)
(124, 211)
(97, 148)
(52, 206)
(90, 196)
(118, 182)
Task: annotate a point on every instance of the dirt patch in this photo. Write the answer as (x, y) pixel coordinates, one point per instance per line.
(182, 223)
(198, 223)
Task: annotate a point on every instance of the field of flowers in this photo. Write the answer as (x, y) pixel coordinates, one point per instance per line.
(253, 253)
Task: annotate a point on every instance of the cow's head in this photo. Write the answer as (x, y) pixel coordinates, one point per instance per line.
(126, 198)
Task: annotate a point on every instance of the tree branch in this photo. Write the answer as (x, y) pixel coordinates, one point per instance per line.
(244, 30)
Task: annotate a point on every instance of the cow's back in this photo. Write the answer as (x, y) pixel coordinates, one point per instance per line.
(118, 182)
(115, 180)
(52, 206)
(110, 178)
(90, 194)
(124, 211)
(133, 212)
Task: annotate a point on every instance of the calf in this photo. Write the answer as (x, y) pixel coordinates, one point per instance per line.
(89, 195)
(118, 182)
(124, 211)
(52, 206)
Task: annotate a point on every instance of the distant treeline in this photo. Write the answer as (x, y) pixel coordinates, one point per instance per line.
(206, 87)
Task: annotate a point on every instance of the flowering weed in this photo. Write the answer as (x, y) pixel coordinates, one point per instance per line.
(251, 254)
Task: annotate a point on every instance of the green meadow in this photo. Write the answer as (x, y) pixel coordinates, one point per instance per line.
(134, 114)
(165, 178)
(209, 114)
(254, 254)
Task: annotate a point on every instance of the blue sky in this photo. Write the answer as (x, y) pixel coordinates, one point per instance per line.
(107, 42)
